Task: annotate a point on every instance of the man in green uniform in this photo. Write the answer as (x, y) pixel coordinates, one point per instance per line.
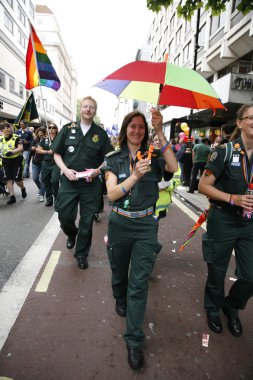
(50, 173)
(76, 149)
(227, 181)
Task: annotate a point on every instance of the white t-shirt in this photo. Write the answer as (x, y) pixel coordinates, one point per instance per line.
(85, 128)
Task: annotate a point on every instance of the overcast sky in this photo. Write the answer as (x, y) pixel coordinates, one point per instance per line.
(101, 36)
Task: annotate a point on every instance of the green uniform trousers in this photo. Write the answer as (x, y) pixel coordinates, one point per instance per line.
(87, 196)
(50, 176)
(227, 230)
(132, 250)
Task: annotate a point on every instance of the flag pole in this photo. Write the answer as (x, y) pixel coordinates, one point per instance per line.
(36, 63)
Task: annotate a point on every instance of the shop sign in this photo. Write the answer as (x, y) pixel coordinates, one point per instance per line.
(240, 82)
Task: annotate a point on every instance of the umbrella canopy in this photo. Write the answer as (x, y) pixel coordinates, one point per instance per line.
(161, 83)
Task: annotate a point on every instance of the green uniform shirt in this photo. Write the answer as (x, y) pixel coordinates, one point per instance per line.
(201, 152)
(144, 193)
(45, 144)
(81, 152)
(229, 175)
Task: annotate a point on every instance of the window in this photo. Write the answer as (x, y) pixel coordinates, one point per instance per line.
(12, 85)
(186, 52)
(21, 90)
(31, 9)
(10, 2)
(21, 38)
(235, 4)
(178, 36)
(21, 15)
(217, 22)
(202, 33)
(176, 60)
(8, 22)
(187, 26)
(172, 21)
(2, 80)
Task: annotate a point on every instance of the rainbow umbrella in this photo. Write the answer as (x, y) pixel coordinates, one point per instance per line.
(199, 222)
(161, 83)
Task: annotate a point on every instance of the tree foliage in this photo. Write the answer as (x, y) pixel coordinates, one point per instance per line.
(187, 8)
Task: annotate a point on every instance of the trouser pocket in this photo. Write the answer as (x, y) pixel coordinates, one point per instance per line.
(207, 248)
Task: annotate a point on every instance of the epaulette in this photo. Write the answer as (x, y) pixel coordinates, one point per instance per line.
(113, 152)
(72, 124)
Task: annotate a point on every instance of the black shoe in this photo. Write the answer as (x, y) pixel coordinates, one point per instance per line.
(11, 200)
(71, 242)
(234, 324)
(120, 308)
(135, 357)
(23, 192)
(190, 192)
(82, 263)
(49, 203)
(214, 323)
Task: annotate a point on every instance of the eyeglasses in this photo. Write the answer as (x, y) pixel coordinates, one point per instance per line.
(248, 117)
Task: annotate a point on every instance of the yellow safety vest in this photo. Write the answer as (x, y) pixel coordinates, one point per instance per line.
(5, 146)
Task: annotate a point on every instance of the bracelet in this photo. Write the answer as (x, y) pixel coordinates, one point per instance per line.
(123, 189)
(231, 202)
(166, 147)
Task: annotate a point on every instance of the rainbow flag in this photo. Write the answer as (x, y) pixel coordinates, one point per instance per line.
(39, 69)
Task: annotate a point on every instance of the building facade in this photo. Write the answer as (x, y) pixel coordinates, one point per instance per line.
(60, 106)
(224, 56)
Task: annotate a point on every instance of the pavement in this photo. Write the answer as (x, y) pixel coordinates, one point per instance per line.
(196, 200)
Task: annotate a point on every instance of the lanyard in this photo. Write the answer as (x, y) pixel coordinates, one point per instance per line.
(248, 176)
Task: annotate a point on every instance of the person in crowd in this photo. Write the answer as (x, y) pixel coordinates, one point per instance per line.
(11, 148)
(226, 181)
(226, 132)
(132, 187)
(180, 155)
(79, 147)
(27, 138)
(50, 173)
(200, 156)
(37, 158)
(165, 189)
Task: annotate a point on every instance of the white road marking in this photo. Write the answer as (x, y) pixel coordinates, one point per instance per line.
(46, 276)
(187, 211)
(16, 289)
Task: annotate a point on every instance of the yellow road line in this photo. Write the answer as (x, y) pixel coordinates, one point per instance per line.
(45, 279)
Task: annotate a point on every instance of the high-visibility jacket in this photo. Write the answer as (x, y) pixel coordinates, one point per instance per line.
(5, 146)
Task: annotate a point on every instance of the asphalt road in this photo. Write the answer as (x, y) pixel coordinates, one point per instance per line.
(21, 223)
(68, 329)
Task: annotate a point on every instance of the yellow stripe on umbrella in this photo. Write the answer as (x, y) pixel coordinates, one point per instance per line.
(196, 226)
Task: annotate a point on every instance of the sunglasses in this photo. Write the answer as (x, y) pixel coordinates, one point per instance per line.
(52, 127)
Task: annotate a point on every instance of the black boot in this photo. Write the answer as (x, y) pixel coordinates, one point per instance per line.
(11, 200)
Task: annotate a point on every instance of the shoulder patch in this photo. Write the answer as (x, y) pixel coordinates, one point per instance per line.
(112, 153)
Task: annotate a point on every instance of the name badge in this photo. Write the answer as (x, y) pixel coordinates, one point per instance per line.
(235, 159)
(72, 137)
(122, 175)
